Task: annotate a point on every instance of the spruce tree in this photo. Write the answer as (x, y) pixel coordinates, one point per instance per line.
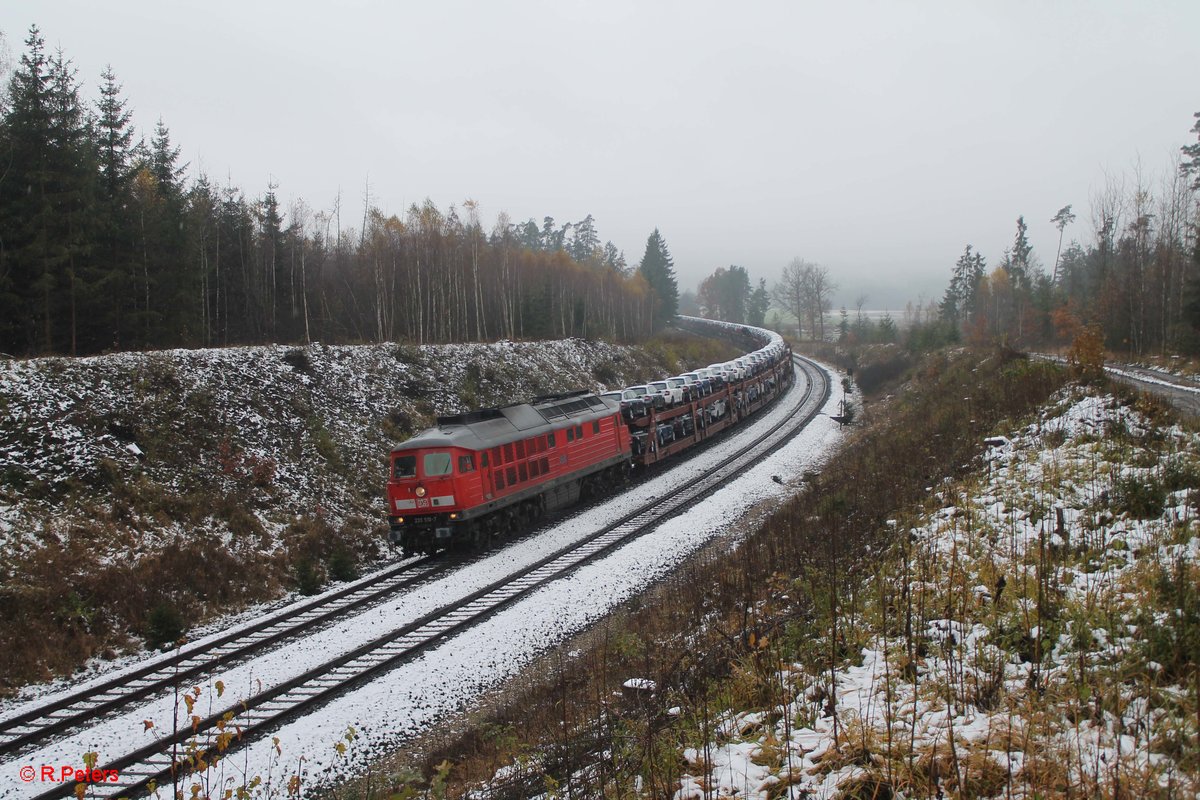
(115, 137)
(760, 302)
(658, 270)
(270, 232)
(959, 301)
(74, 198)
(164, 291)
(111, 276)
(1020, 265)
(45, 202)
(24, 211)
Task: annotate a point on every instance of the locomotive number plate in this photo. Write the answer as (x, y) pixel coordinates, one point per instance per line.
(424, 520)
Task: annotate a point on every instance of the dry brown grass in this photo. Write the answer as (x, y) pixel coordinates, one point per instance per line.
(61, 604)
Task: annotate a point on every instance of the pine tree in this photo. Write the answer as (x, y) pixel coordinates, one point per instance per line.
(1061, 220)
(760, 302)
(725, 294)
(614, 258)
(585, 244)
(656, 268)
(552, 239)
(528, 235)
(1191, 152)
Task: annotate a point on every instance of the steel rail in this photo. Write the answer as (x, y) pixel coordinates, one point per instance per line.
(85, 705)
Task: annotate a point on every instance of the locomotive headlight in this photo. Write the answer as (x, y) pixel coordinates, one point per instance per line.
(453, 515)
(420, 491)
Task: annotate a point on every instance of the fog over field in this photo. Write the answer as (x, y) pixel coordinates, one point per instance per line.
(875, 139)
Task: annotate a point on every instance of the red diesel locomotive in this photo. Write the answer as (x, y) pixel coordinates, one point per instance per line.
(478, 474)
(483, 473)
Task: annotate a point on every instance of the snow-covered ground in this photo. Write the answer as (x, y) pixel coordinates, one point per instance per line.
(975, 709)
(452, 676)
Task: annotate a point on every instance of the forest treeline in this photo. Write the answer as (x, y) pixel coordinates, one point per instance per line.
(104, 245)
(1130, 283)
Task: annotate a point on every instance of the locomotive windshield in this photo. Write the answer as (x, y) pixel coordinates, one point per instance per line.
(405, 467)
(436, 464)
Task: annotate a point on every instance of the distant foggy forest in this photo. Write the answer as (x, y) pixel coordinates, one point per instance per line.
(1125, 276)
(104, 245)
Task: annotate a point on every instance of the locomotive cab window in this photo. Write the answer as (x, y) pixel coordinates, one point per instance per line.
(596, 426)
(437, 464)
(550, 438)
(466, 464)
(405, 467)
(570, 434)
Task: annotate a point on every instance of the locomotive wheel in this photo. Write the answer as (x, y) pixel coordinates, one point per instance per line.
(479, 536)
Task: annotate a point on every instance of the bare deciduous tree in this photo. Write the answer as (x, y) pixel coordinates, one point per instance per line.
(805, 291)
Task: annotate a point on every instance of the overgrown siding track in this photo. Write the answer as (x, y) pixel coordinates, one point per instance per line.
(160, 763)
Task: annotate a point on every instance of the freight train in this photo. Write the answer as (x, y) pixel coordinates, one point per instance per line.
(479, 475)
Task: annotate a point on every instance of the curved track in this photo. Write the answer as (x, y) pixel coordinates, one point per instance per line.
(80, 707)
(174, 755)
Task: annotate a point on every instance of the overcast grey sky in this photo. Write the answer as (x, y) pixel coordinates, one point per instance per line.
(876, 138)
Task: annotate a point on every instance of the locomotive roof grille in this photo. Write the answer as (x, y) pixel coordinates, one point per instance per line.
(468, 417)
(490, 426)
(546, 398)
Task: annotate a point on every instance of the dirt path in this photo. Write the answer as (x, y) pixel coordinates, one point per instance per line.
(1182, 393)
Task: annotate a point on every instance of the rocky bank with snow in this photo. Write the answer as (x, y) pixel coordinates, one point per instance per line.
(194, 481)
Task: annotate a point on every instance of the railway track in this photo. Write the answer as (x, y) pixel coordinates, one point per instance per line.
(35, 725)
(175, 755)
